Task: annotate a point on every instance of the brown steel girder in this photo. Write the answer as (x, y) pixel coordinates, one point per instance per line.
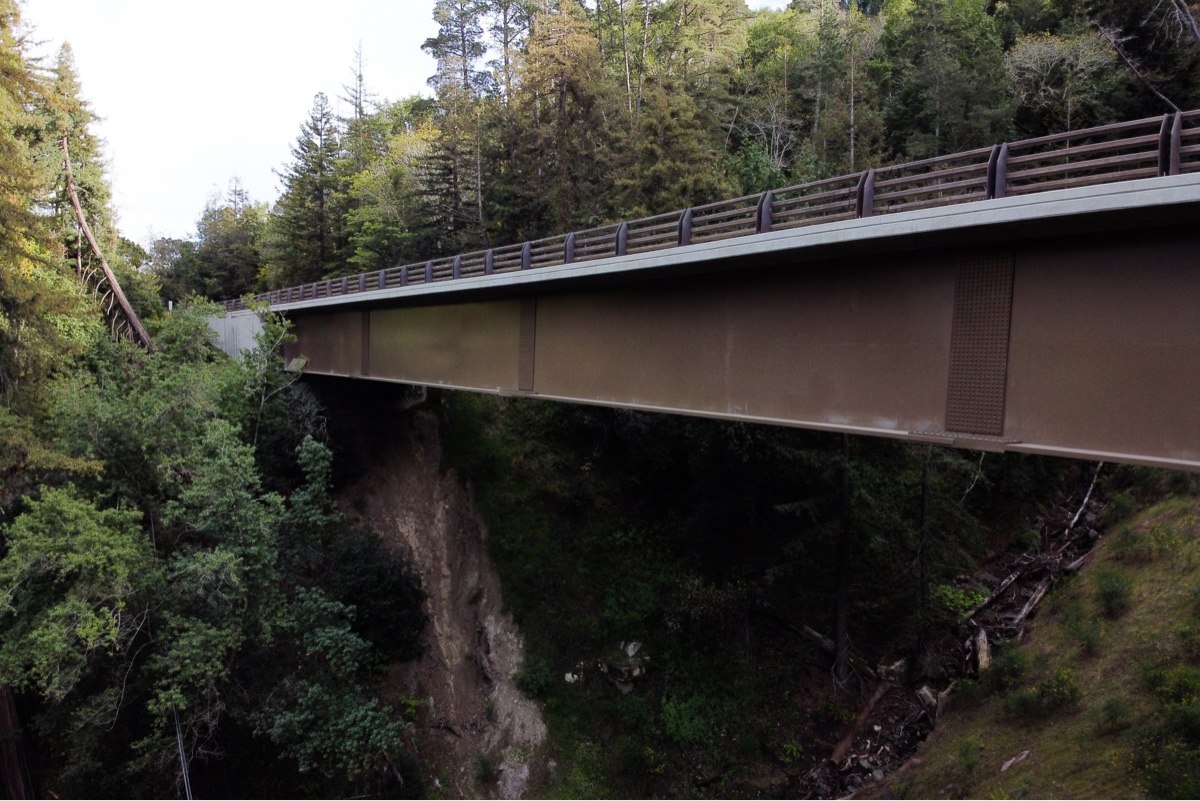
(1080, 346)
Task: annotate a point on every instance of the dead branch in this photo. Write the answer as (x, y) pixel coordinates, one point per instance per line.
(1033, 601)
(996, 593)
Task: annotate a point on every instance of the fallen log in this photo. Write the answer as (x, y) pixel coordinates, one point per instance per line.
(996, 593)
(843, 747)
(1032, 602)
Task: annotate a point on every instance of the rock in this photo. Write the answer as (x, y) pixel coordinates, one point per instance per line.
(631, 648)
(571, 678)
(928, 700)
(865, 764)
(877, 775)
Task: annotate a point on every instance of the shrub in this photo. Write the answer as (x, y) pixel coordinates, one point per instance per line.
(1173, 772)
(1184, 720)
(1030, 539)
(968, 755)
(969, 693)
(1112, 716)
(1114, 590)
(485, 770)
(1146, 542)
(1176, 685)
(1006, 671)
(1083, 626)
(686, 721)
(636, 715)
(535, 677)
(1189, 641)
(1059, 691)
(1024, 705)
(1121, 507)
(834, 714)
(950, 603)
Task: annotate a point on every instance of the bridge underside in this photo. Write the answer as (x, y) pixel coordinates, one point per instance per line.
(1085, 349)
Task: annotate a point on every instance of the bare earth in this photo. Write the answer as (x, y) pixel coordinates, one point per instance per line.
(472, 708)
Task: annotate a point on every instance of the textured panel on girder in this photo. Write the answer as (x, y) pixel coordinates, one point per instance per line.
(979, 345)
(528, 342)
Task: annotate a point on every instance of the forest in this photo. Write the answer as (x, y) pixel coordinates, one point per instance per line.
(186, 607)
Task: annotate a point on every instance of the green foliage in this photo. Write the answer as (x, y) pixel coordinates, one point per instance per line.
(688, 719)
(334, 727)
(1173, 771)
(1057, 692)
(73, 588)
(1114, 715)
(1087, 627)
(535, 677)
(835, 713)
(1114, 591)
(952, 602)
(968, 756)
(486, 772)
(1146, 542)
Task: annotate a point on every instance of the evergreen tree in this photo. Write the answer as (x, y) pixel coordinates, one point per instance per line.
(306, 237)
(949, 91)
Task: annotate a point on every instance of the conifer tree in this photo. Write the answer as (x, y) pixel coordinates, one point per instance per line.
(306, 240)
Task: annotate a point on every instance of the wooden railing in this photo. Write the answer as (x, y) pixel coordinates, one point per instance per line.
(1156, 146)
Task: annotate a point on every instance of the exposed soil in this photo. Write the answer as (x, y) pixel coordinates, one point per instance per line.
(476, 734)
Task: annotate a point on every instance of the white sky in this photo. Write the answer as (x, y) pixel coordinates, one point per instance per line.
(195, 93)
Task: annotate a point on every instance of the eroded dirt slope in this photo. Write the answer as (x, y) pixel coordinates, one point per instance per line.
(476, 734)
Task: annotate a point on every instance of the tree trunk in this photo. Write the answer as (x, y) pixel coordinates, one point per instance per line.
(625, 53)
(14, 772)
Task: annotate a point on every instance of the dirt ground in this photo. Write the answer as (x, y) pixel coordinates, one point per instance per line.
(476, 734)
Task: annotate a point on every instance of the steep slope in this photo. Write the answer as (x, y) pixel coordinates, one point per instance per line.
(475, 732)
(1099, 701)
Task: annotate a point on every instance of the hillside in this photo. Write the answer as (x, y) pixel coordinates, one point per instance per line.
(1101, 699)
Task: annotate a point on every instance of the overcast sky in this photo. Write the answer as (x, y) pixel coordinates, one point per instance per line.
(195, 93)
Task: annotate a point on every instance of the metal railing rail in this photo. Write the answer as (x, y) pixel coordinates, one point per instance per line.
(1155, 146)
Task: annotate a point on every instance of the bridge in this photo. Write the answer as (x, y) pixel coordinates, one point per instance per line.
(1041, 296)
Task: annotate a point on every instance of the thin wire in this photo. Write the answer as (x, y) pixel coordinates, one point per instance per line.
(187, 784)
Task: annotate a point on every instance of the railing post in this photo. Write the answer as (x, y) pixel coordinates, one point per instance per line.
(569, 248)
(456, 268)
(622, 239)
(685, 227)
(1169, 140)
(404, 275)
(526, 256)
(345, 285)
(383, 279)
(489, 262)
(864, 195)
(1164, 146)
(766, 206)
(997, 172)
(329, 288)
(362, 282)
(429, 272)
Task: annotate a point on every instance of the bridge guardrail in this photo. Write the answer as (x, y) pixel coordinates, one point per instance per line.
(1155, 146)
